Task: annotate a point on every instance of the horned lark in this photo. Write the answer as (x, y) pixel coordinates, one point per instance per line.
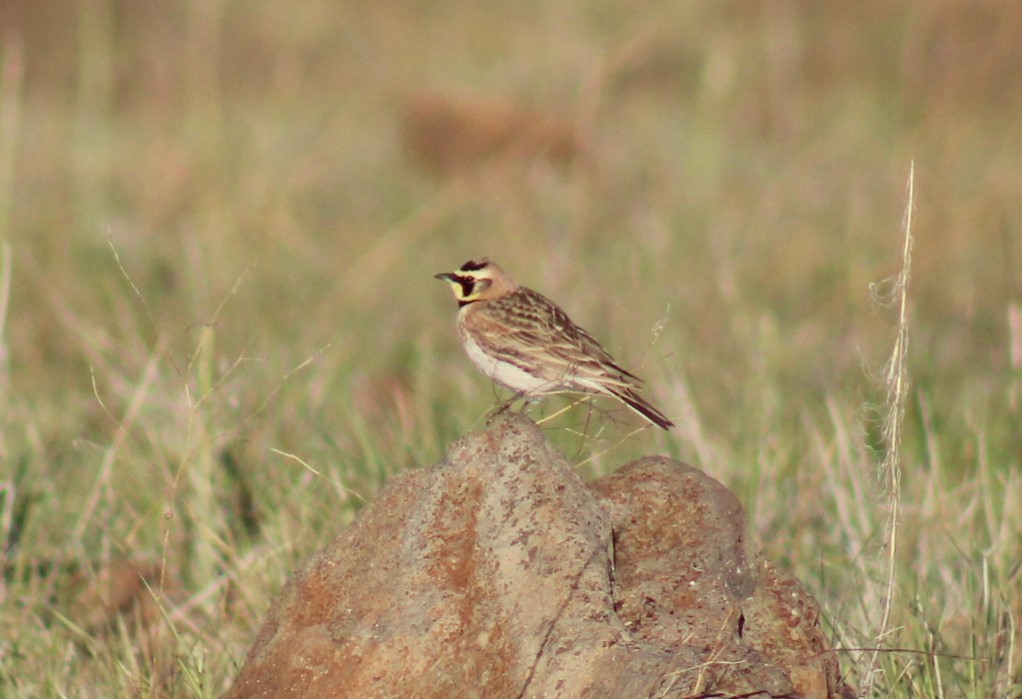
(525, 342)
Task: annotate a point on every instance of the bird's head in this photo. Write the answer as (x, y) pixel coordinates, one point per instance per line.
(478, 280)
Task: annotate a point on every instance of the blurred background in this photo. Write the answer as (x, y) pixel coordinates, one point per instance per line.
(220, 332)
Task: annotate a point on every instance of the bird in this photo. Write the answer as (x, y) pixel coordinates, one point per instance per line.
(524, 341)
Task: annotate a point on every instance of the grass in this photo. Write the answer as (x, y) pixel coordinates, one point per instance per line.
(220, 335)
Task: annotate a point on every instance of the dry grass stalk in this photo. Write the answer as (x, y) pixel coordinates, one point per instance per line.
(896, 384)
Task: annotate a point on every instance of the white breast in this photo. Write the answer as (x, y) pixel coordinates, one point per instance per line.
(504, 373)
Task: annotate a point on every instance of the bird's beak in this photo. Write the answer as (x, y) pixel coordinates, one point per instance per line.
(444, 276)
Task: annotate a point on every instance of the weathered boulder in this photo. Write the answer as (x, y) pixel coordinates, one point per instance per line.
(499, 573)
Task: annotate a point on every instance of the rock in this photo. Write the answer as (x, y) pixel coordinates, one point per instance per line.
(498, 573)
(682, 578)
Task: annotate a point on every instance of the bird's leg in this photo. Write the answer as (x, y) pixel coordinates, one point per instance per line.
(527, 398)
(505, 405)
(528, 401)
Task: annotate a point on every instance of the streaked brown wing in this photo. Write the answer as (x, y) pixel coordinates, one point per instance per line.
(531, 331)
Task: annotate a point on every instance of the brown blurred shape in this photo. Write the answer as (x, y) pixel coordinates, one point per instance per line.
(445, 135)
(125, 587)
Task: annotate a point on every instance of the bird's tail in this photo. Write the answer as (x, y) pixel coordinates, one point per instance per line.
(634, 401)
